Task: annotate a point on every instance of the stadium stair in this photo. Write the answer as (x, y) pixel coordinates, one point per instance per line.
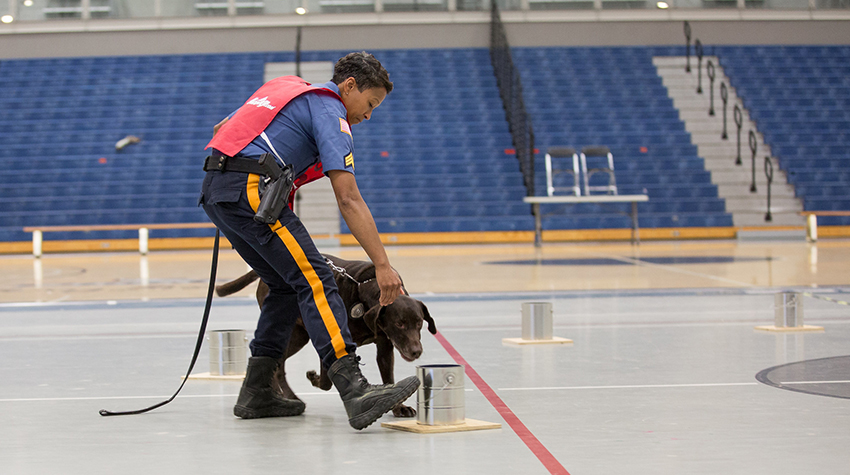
(733, 181)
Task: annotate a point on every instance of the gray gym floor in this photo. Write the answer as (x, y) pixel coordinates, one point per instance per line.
(657, 382)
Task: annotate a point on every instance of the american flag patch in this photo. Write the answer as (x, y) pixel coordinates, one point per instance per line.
(349, 161)
(344, 127)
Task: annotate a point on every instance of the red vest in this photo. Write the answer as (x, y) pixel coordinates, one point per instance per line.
(258, 112)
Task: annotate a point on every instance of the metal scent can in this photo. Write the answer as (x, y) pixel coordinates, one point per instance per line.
(440, 398)
(536, 321)
(228, 352)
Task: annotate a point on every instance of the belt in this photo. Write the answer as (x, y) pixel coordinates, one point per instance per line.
(223, 163)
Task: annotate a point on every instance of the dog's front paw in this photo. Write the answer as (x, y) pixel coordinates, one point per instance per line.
(400, 410)
(314, 378)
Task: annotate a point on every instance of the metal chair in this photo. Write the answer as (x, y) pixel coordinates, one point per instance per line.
(561, 152)
(601, 152)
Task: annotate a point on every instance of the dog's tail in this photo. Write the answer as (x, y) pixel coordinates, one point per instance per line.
(236, 285)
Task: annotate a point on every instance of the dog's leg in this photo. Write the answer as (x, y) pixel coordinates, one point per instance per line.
(297, 340)
(325, 382)
(386, 362)
(322, 380)
(280, 381)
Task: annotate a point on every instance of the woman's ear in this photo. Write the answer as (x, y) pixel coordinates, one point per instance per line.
(348, 85)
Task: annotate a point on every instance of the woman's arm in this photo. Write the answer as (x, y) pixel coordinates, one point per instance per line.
(359, 220)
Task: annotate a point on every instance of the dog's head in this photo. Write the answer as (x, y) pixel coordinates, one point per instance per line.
(402, 322)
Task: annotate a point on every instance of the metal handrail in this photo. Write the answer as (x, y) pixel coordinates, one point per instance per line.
(510, 89)
(754, 148)
(698, 49)
(768, 172)
(687, 47)
(724, 94)
(709, 71)
(739, 121)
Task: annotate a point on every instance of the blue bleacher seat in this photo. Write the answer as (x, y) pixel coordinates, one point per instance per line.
(434, 157)
(799, 95)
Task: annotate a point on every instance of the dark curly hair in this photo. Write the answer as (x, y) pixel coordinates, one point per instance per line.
(365, 69)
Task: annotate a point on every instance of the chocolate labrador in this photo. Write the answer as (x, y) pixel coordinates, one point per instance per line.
(396, 326)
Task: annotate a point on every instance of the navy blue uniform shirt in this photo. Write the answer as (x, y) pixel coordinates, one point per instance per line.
(310, 128)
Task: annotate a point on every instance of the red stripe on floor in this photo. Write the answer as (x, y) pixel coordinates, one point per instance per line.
(546, 458)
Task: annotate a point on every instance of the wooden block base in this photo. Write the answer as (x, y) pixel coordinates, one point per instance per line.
(411, 425)
(215, 377)
(804, 328)
(554, 341)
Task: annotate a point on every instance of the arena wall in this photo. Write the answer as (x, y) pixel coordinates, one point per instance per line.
(423, 30)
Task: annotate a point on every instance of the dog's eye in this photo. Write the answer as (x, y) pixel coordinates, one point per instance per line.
(400, 324)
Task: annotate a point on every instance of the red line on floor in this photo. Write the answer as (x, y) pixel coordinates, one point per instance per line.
(546, 458)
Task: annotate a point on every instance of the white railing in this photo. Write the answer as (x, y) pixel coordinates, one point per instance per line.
(45, 10)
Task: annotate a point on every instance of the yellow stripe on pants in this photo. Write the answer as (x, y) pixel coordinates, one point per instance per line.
(307, 270)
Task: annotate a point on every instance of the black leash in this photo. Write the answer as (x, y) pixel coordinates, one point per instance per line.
(201, 333)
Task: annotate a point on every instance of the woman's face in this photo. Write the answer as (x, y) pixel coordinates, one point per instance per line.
(360, 104)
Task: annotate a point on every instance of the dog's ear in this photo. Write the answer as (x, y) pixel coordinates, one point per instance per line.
(372, 316)
(427, 316)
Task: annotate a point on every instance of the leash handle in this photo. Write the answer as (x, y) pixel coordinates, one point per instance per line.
(198, 344)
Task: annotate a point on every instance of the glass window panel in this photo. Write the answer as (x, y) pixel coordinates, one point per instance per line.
(134, 9)
(832, 4)
(720, 4)
(504, 4)
(626, 4)
(340, 6)
(689, 3)
(179, 8)
(778, 4)
(278, 7)
(414, 5)
(560, 4)
(472, 5)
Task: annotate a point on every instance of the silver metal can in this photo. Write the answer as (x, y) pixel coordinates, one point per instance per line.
(228, 352)
(440, 398)
(789, 309)
(536, 321)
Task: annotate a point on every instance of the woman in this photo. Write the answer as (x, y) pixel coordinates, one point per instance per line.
(307, 128)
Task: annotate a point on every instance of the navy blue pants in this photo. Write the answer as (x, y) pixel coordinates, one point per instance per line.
(285, 257)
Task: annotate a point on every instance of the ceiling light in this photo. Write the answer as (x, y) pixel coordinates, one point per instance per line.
(7, 18)
(662, 5)
(301, 11)
(27, 3)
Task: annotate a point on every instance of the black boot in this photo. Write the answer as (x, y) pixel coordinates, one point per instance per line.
(258, 398)
(365, 402)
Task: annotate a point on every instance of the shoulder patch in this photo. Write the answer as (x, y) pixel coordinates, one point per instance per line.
(344, 127)
(349, 161)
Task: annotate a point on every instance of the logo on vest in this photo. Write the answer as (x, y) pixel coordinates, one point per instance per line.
(261, 102)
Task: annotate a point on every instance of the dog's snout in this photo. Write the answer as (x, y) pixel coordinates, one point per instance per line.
(416, 353)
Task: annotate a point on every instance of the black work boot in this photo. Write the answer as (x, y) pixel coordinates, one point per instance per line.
(258, 398)
(365, 402)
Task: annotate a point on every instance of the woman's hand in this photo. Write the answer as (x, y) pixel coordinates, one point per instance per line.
(389, 282)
